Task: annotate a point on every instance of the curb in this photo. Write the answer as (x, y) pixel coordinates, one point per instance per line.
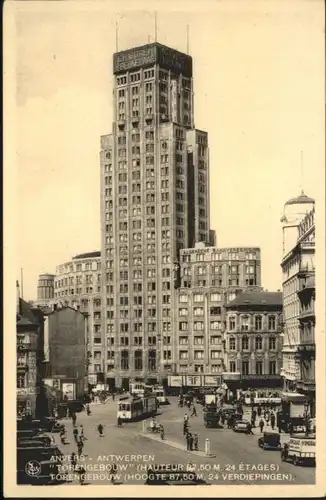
(177, 446)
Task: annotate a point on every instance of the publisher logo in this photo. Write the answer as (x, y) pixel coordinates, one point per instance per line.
(33, 468)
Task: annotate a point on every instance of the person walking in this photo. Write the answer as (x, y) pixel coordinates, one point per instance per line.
(261, 425)
(194, 412)
(75, 432)
(191, 440)
(185, 428)
(196, 442)
(74, 419)
(267, 417)
(80, 446)
(100, 430)
(162, 432)
(188, 441)
(113, 472)
(88, 410)
(82, 473)
(82, 437)
(249, 428)
(273, 420)
(119, 422)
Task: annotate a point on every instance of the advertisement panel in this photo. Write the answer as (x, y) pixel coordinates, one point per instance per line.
(175, 380)
(297, 410)
(212, 380)
(193, 380)
(69, 390)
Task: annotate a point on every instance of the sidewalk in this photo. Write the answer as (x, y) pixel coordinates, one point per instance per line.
(176, 445)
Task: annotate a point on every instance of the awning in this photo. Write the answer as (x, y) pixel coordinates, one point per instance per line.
(294, 397)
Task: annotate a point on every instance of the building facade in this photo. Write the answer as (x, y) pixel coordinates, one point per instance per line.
(154, 202)
(253, 341)
(77, 284)
(65, 343)
(297, 266)
(209, 278)
(30, 356)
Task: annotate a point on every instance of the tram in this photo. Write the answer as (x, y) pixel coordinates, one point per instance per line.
(159, 392)
(136, 408)
(139, 388)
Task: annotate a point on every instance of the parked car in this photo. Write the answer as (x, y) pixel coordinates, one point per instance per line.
(270, 441)
(241, 426)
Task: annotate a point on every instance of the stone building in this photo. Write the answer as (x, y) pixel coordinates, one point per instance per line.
(253, 341)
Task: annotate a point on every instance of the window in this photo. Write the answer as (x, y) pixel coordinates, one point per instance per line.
(183, 298)
(183, 312)
(232, 296)
(199, 355)
(183, 340)
(216, 325)
(232, 367)
(271, 322)
(245, 342)
(215, 297)
(138, 360)
(258, 343)
(124, 360)
(245, 323)
(199, 369)
(183, 355)
(215, 354)
(198, 311)
(272, 367)
(245, 367)
(198, 297)
(272, 343)
(232, 323)
(183, 325)
(199, 341)
(258, 323)
(232, 343)
(152, 360)
(215, 311)
(259, 367)
(20, 382)
(198, 325)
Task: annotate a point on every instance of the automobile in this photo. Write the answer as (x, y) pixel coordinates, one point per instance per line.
(300, 450)
(46, 440)
(270, 441)
(241, 426)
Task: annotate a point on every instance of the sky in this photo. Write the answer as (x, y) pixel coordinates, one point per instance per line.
(259, 93)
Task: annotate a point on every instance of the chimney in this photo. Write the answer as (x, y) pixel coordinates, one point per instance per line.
(17, 297)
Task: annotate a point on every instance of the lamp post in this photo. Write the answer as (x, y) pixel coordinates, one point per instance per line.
(306, 416)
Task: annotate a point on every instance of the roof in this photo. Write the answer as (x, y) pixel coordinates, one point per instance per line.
(88, 255)
(303, 198)
(28, 315)
(257, 299)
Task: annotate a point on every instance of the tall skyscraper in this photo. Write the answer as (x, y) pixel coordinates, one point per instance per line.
(154, 202)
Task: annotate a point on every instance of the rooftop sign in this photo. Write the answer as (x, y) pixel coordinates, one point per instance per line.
(148, 55)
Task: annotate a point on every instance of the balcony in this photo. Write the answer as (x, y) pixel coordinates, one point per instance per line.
(306, 313)
(307, 346)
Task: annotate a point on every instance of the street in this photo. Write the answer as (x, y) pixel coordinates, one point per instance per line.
(236, 459)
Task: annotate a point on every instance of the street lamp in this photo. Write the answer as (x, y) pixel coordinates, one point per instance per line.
(306, 417)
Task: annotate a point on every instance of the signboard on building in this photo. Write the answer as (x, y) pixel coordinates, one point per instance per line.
(69, 390)
(212, 380)
(175, 380)
(193, 380)
(27, 391)
(148, 55)
(260, 377)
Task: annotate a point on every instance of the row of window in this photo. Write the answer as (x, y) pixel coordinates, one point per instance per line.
(246, 324)
(199, 325)
(245, 368)
(200, 355)
(200, 256)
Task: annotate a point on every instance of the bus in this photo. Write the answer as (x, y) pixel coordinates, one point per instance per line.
(136, 408)
(160, 394)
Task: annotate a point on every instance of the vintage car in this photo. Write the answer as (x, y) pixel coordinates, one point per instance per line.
(46, 440)
(270, 441)
(241, 426)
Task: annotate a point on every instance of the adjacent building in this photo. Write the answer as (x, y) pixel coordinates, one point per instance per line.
(253, 341)
(154, 202)
(77, 284)
(30, 356)
(65, 348)
(298, 269)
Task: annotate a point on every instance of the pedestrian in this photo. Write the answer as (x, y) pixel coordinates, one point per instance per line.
(261, 425)
(196, 442)
(162, 432)
(82, 437)
(100, 430)
(186, 418)
(185, 428)
(80, 447)
(73, 460)
(272, 421)
(194, 412)
(267, 418)
(74, 418)
(113, 472)
(188, 441)
(113, 397)
(249, 428)
(119, 422)
(88, 410)
(253, 424)
(75, 432)
(82, 473)
(191, 439)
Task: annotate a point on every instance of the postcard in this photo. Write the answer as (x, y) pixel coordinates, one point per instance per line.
(164, 215)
